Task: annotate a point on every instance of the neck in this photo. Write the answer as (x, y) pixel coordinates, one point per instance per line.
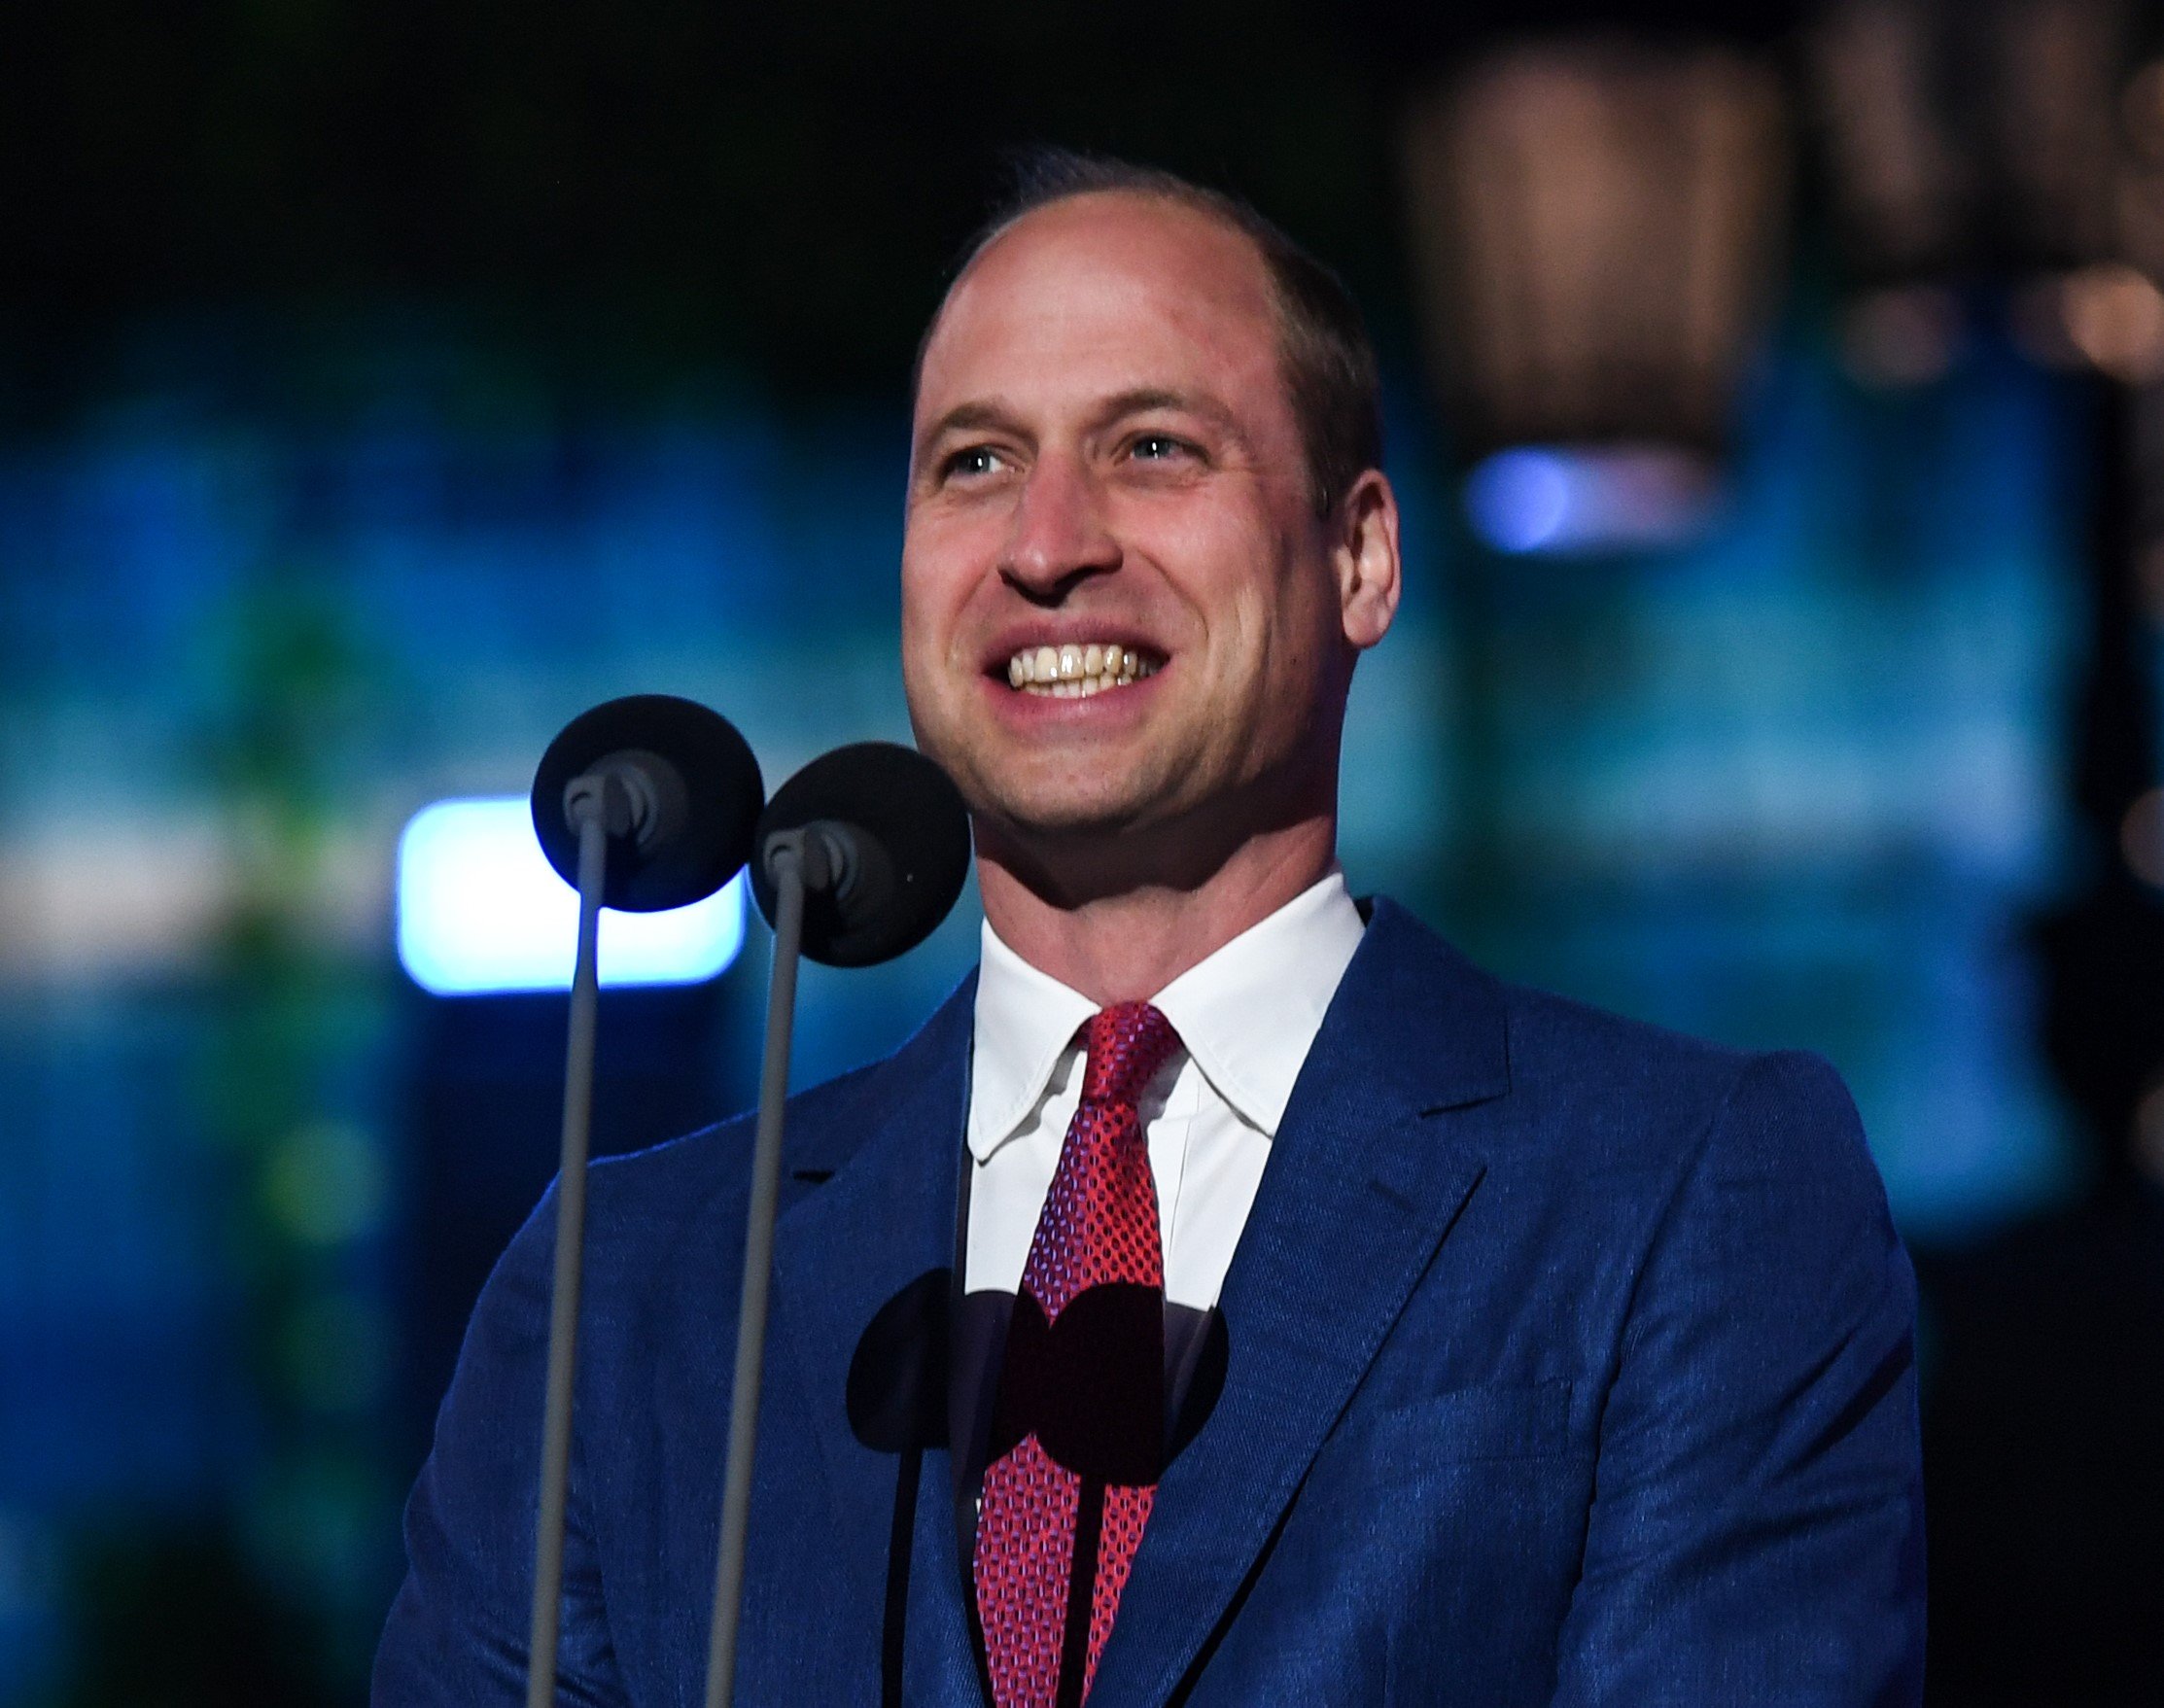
(1125, 941)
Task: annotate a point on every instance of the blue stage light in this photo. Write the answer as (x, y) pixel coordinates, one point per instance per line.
(479, 910)
(1572, 499)
(1520, 499)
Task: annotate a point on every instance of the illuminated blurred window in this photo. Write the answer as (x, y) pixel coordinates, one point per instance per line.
(480, 910)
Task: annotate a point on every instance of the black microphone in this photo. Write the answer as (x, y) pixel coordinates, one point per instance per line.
(640, 804)
(858, 859)
(691, 792)
(894, 828)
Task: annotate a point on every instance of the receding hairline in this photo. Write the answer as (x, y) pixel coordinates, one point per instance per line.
(1191, 201)
(1325, 359)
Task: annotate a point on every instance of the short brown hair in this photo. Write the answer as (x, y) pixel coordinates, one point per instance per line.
(1329, 364)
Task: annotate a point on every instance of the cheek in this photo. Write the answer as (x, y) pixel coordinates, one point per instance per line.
(933, 597)
(1268, 611)
(1216, 562)
(1279, 647)
(949, 562)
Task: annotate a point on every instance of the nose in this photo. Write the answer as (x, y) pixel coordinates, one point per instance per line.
(1059, 536)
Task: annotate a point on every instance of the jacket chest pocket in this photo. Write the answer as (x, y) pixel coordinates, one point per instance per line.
(1465, 1426)
(1434, 1477)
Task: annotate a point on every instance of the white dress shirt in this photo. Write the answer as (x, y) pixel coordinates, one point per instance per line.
(1247, 1018)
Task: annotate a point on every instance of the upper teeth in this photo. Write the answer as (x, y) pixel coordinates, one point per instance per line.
(1072, 671)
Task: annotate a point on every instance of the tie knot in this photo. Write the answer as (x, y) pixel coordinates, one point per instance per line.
(1124, 1046)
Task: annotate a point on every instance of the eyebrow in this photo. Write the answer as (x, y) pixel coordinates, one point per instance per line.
(970, 418)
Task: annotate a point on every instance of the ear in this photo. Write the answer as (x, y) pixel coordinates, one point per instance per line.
(1365, 551)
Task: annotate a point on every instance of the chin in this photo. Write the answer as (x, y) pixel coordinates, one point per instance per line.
(1066, 817)
(1046, 812)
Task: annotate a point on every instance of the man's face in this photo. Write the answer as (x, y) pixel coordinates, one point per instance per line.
(1119, 607)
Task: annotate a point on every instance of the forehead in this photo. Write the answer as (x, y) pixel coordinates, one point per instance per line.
(1103, 293)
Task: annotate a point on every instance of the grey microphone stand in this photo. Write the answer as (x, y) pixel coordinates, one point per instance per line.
(807, 860)
(600, 804)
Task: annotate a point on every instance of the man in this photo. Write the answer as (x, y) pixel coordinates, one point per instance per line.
(1230, 1296)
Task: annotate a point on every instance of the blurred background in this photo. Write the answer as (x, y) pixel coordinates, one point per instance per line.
(1776, 410)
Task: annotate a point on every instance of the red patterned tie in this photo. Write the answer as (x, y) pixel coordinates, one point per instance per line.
(1080, 1396)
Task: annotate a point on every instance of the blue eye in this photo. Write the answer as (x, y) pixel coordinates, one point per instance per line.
(1154, 447)
(975, 460)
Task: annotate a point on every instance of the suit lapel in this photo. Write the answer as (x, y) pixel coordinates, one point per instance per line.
(882, 1220)
(1364, 1181)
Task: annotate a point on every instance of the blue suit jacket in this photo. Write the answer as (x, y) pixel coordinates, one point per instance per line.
(1569, 1361)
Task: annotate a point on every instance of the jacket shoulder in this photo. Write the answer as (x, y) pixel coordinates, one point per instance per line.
(1602, 1087)
(1640, 1092)
(822, 1123)
(1553, 1034)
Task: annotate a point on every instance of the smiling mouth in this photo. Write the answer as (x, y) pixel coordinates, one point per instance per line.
(1074, 671)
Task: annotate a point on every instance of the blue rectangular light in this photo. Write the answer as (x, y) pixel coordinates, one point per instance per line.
(480, 910)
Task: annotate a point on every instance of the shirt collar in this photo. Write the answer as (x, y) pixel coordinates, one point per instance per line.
(1247, 1014)
(1025, 1019)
